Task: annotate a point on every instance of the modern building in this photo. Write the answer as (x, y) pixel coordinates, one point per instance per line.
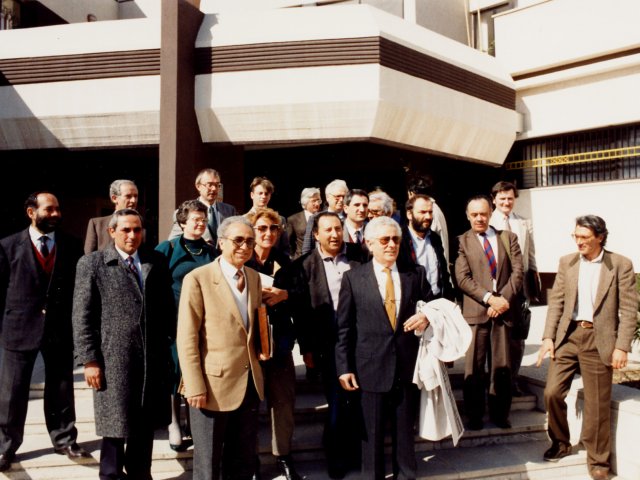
(377, 92)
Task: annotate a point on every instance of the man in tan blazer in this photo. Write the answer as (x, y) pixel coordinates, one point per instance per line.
(490, 290)
(218, 351)
(590, 324)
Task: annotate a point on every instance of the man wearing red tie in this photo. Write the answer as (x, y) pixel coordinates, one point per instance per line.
(489, 273)
(37, 272)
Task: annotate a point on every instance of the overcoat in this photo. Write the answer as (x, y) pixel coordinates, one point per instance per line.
(128, 332)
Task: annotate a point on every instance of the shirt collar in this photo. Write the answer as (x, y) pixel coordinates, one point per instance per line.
(125, 255)
(206, 203)
(598, 259)
(35, 235)
(228, 269)
(325, 256)
(416, 238)
(378, 267)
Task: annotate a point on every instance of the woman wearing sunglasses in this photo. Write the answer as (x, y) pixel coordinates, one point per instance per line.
(279, 371)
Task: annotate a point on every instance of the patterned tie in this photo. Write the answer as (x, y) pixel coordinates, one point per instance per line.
(134, 269)
(390, 299)
(213, 223)
(488, 251)
(44, 248)
(240, 281)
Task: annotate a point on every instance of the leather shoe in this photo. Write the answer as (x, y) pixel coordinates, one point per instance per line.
(5, 461)
(287, 470)
(72, 451)
(476, 424)
(501, 423)
(599, 473)
(556, 452)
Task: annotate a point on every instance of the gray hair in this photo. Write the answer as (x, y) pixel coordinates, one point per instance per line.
(596, 224)
(371, 231)
(116, 186)
(307, 194)
(335, 185)
(210, 171)
(123, 212)
(387, 202)
(227, 222)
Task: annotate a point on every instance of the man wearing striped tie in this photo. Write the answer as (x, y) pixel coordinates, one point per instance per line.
(488, 270)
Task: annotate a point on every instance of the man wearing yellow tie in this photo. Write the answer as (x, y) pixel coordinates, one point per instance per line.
(377, 346)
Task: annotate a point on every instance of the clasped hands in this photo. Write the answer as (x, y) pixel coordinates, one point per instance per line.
(497, 306)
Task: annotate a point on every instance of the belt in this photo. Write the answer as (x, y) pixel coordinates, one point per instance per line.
(584, 324)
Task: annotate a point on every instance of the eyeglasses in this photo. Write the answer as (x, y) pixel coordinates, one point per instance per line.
(386, 240)
(375, 212)
(263, 228)
(212, 184)
(239, 241)
(583, 238)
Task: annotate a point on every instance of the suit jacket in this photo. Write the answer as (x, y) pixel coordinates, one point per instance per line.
(224, 209)
(367, 345)
(128, 332)
(97, 237)
(474, 276)
(34, 307)
(310, 301)
(216, 351)
(523, 228)
(407, 257)
(614, 309)
(296, 226)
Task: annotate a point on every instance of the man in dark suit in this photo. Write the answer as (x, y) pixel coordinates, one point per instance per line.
(334, 192)
(209, 186)
(123, 194)
(590, 325)
(123, 322)
(297, 223)
(489, 272)
(422, 246)
(315, 280)
(377, 347)
(37, 272)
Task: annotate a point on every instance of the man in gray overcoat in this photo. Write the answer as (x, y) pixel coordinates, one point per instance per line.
(123, 319)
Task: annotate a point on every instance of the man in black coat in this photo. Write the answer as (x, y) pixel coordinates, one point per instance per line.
(37, 272)
(377, 347)
(314, 286)
(123, 320)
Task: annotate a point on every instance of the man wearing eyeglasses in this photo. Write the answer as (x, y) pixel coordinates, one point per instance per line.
(378, 346)
(217, 338)
(589, 329)
(209, 187)
(489, 273)
(335, 192)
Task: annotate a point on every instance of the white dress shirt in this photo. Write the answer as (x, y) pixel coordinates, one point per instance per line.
(230, 274)
(426, 256)
(136, 261)
(588, 278)
(381, 278)
(334, 268)
(35, 235)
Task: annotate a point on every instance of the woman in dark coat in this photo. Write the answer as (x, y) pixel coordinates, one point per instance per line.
(279, 371)
(184, 253)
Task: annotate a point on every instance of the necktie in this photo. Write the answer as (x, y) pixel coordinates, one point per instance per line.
(358, 237)
(240, 281)
(44, 248)
(390, 299)
(488, 251)
(213, 222)
(507, 225)
(134, 269)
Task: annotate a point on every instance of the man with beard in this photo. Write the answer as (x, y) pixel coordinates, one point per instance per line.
(37, 272)
(422, 246)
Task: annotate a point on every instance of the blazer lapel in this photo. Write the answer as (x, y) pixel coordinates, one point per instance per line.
(405, 287)
(371, 285)
(572, 281)
(606, 278)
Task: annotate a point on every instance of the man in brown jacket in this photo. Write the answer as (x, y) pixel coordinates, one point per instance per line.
(489, 273)
(217, 338)
(589, 329)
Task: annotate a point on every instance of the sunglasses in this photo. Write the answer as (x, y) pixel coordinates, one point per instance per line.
(386, 240)
(239, 241)
(263, 228)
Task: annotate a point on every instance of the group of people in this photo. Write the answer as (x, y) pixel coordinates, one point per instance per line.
(184, 325)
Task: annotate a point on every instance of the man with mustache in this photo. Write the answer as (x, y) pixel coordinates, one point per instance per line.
(37, 273)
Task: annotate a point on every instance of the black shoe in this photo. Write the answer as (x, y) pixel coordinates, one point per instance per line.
(287, 470)
(5, 461)
(501, 423)
(476, 424)
(556, 452)
(72, 451)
